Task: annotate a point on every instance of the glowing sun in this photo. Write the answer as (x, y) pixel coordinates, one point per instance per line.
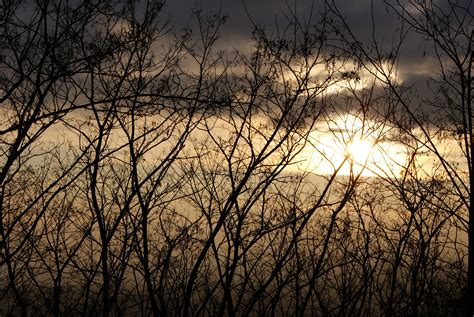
(360, 150)
(350, 145)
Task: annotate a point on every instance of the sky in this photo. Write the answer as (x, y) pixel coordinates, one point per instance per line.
(414, 67)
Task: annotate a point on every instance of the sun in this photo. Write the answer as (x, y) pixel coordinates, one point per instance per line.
(360, 150)
(347, 145)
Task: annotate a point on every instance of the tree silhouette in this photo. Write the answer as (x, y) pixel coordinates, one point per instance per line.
(145, 171)
(444, 114)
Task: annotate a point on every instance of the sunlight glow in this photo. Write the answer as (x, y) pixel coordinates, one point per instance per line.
(360, 150)
(360, 146)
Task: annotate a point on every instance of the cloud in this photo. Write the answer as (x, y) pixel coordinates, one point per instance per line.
(415, 63)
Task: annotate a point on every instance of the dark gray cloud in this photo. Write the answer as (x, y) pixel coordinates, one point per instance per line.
(268, 13)
(241, 13)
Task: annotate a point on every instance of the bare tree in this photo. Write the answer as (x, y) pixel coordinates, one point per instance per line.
(445, 115)
(144, 171)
